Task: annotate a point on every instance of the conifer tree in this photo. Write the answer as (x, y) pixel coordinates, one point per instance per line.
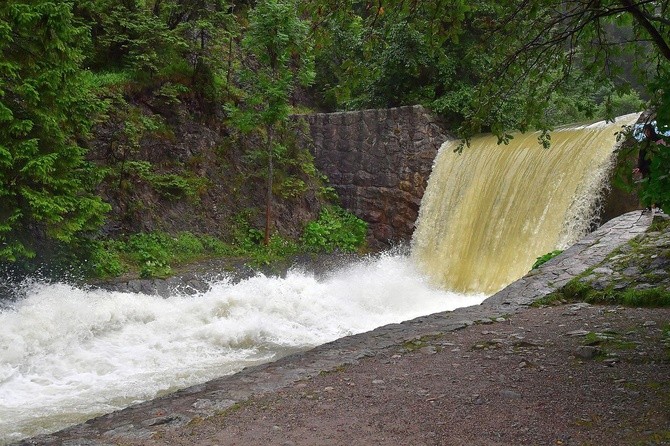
(46, 187)
(277, 40)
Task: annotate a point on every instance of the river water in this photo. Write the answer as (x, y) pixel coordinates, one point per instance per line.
(68, 354)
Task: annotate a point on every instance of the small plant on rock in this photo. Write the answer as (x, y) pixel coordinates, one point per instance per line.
(545, 258)
(335, 229)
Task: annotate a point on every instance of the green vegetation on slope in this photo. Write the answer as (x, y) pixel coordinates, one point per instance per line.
(155, 254)
(137, 70)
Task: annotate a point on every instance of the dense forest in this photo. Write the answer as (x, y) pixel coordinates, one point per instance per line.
(88, 87)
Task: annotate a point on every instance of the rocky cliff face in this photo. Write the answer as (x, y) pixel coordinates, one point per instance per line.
(379, 162)
(173, 170)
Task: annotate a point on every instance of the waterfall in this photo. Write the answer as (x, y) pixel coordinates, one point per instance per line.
(488, 213)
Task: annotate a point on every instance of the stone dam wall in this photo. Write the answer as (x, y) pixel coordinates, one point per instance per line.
(379, 162)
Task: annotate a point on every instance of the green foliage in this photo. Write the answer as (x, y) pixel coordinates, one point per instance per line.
(393, 53)
(151, 251)
(125, 167)
(246, 238)
(540, 52)
(248, 242)
(172, 46)
(105, 261)
(576, 290)
(110, 81)
(656, 187)
(155, 254)
(659, 224)
(45, 183)
(655, 297)
(335, 229)
(152, 254)
(545, 258)
(173, 186)
(277, 40)
(281, 59)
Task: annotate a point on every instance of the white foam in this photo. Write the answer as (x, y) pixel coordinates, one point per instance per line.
(67, 354)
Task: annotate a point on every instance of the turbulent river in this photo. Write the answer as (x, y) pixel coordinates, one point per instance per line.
(67, 354)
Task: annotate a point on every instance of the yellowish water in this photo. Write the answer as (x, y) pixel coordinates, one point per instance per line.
(489, 212)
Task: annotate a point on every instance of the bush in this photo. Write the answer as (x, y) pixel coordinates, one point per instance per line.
(105, 261)
(335, 229)
(153, 254)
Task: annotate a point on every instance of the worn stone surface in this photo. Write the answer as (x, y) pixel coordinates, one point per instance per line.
(633, 265)
(379, 162)
(588, 252)
(187, 406)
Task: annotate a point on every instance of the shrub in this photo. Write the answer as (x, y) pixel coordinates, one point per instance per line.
(335, 229)
(105, 261)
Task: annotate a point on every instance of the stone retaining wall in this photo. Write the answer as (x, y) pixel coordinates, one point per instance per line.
(379, 162)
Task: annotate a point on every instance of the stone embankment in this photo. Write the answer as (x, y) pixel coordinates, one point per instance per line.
(642, 265)
(379, 162)
(154, 419)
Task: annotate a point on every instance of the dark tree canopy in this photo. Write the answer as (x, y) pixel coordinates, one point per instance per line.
(45, 184)
(546, 46)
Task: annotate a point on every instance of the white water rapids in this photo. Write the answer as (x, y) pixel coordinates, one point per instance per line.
(67, 355)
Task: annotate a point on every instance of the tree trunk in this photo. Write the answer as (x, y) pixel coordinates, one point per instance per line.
(268, 192)
(642, 19)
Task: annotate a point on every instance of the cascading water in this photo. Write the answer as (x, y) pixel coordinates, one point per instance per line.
(489, 212)
(67, 354)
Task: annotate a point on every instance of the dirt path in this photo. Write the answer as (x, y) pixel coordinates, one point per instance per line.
(565, 375)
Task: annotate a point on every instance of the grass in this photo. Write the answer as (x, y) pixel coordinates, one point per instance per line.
(659, 225)
(608, 341)
(578, 291)
(156, 254)
(545, 258)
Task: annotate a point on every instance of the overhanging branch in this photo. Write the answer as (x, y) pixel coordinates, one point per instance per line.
(641, 17)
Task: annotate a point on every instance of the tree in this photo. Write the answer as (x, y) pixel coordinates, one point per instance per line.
(541, 47)
(46, 186)
(280, 59)
(391, 52)
(173, 45)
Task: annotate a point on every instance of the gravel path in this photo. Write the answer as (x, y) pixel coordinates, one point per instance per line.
(566, 375)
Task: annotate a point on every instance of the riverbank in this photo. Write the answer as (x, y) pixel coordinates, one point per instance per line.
(564, 375)
(411, 381)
